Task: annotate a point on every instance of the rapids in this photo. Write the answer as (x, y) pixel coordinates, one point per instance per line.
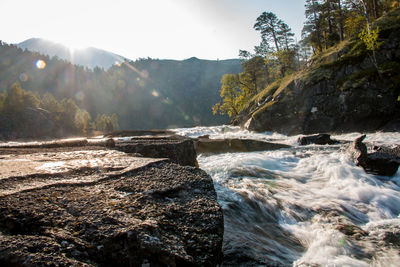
(303, 206)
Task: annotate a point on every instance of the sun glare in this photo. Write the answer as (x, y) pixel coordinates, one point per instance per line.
(73, 45)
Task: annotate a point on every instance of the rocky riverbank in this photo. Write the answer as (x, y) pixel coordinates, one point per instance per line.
(101, 203)
(340, 90)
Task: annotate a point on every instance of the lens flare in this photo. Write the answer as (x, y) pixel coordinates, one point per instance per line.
(40, 64)
(23, 77)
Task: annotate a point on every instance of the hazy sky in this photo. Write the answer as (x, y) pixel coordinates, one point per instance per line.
(174, 29)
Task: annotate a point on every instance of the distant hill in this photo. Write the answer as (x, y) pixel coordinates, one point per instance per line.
(144, 94)
(88, 57)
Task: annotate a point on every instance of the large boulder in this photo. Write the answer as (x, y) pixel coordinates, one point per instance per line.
(93, 206)
(383, 161)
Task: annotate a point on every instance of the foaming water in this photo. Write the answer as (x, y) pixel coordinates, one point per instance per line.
(303, 206)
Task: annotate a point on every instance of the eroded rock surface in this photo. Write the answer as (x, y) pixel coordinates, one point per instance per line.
(93, 206)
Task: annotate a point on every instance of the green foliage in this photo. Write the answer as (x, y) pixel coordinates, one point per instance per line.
(370, 39)
(232, 96)
(67, 117)
(354, 25)
(83, 121)
(261, 69)
(48, 102)
(255, 75)
(17, 99)
(106, 123)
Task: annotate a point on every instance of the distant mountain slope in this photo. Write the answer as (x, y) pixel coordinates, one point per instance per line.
(144, 94)
(87, 57)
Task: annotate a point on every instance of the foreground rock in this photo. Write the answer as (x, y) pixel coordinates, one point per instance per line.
(205, 145)
(318, 139)
(177, 149)
(384, 161)
(95, 206)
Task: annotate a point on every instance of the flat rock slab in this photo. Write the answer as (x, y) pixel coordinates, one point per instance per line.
(36, 169)
(205, 145)
(93, 206)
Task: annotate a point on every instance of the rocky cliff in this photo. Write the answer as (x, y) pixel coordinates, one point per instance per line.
(340, 90)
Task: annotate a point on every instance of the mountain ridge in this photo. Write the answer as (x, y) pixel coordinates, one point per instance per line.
(90, 57)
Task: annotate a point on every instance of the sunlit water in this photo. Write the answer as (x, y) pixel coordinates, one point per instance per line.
(303, 206)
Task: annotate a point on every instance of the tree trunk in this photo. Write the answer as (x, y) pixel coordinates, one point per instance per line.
(340, 20)
(376, 8)
(317, 29)
(275, 40)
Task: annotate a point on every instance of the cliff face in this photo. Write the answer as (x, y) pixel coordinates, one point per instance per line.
(340, 90)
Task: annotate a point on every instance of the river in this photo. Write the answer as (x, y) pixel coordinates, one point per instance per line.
(305, 205)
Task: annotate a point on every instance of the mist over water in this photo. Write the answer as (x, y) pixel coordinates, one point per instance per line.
(305, 205)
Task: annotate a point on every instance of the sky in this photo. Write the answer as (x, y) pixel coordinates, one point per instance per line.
(164, 29)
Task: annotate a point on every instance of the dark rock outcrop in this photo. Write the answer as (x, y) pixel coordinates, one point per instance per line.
(96, 206)
(318, 139)
(384, 162)
(340, 90)
(205, 145)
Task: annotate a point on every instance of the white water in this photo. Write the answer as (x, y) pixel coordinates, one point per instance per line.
(293, 206)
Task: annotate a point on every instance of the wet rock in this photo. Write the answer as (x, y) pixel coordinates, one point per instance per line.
(358, 151)
(178, 149)
(384, 162)
(351, 230)
(234, 145)
(318, 139)
(101, 207)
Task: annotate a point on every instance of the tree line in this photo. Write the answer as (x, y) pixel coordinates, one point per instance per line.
(328, 22)
(67, 118)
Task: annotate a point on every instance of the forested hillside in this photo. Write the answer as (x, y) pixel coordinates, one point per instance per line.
(143, 94)
(342, 76)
